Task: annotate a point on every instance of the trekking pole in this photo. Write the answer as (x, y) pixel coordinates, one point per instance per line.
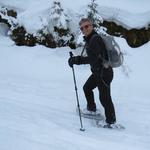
(76, 90)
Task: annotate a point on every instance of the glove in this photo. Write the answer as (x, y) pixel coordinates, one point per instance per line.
(75, 60)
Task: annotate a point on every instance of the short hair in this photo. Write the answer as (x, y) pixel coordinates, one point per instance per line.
(85, 20)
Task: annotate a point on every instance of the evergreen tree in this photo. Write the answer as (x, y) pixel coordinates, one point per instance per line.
(93, 15)
(57, 16)
(59, 25)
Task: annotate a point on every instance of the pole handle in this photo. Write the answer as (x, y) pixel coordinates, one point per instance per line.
(71, 54)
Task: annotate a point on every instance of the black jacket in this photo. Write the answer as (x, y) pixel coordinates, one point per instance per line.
(94, 47)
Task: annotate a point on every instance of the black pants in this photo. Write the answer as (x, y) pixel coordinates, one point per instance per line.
(102, 81)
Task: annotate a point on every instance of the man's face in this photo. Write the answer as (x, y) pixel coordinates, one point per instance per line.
(86, 28)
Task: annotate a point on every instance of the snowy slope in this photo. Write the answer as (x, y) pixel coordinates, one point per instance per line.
(38, 102)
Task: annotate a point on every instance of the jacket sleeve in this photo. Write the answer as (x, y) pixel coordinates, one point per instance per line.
(84, 60)
(78, 60)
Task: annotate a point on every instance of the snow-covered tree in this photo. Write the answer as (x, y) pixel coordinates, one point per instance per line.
(93, 15)
(59, 24)
(57, 16)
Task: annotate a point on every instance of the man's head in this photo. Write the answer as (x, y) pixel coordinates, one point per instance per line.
(86, 26)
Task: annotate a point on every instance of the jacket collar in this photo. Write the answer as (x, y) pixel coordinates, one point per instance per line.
(87, 39)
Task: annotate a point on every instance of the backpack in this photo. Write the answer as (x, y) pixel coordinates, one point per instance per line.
(115, 56)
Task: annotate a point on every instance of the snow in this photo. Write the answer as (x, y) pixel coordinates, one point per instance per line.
(3, 29)
(38, 101)
(37, 96)
(121, 17)
(130, 14)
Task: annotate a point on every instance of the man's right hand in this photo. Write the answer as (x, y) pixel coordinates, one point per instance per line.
(75, 60)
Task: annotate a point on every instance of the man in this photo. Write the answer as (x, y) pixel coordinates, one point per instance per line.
(101, 76)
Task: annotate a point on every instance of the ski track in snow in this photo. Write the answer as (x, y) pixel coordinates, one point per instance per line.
(33, 120)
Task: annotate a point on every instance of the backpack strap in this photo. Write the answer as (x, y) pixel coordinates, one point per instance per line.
(83, 49)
